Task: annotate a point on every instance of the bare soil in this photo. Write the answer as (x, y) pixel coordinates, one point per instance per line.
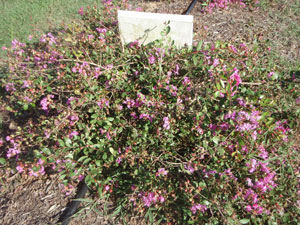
(26, 201)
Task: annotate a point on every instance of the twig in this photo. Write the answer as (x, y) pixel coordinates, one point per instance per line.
(248, 83)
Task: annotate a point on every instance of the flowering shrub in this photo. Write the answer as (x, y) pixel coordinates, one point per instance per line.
(179, 136)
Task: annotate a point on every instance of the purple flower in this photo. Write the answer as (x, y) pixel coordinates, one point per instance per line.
(271, 74)
(149, 199)
(186, 81)
(162, 171)
(176, 71)
(80, 11)
(216, 62)
(73, 133)
(27, 99)
(252, 165)
(10, 87)
(236, 77)
(71, 99)
(198, 207)
(118, 160)
(25, 84)
(224, 126)
(249, 182)
(90, 36)
(20, 169)
(248, 208)
(81, 177)
(145, 116)
(233, 49)
(103, 102)
(44, 102)
(190, 168)
(101, 30)
(263, 153)
(166, 123)
(151, 59)
(15, 150)
(161, 199)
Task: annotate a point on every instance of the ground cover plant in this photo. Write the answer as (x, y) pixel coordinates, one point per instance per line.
(193, 136)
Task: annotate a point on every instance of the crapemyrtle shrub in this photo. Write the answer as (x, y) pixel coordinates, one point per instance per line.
(178, 136)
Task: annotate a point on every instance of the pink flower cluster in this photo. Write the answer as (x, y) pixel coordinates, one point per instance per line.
(223, 4)
(103, 102)
(46, 101)
(198, 207)
(10, 87)
(152, 198)
(162, 172)
(14, 150)
(48, 38)
(166, 124)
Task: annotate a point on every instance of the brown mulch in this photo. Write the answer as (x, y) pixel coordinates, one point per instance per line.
(237, 24)
(28, 201)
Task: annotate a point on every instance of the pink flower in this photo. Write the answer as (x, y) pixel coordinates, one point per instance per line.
(80, 177)
(176, 71)
(216, 62)
(166, 123)
(189, 167)
(249, 182)
(236, 77)
(73, 133)
(271, 74)
(161, 199)
(149, 199)
(248, 208)
(252, 166)
(103, 102)
(27, 99)
(101, 30)
(44, 102)
(10, 87)
(233, 49)
(151, 59)
(162, 171)
(80, 11)
(198, 207)
(20, 169)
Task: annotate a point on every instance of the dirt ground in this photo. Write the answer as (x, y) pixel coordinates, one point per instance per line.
(38, 201)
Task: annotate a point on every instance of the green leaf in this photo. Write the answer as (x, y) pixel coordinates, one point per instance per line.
(104, 157)
(82, 158)
(216, 139)
(244, 221)
(112, 151)
(168, 29)
(2, 161)
(25, 106)
(49, 89)
(221, 151)
(68, 142)
(46, 151)
(86, 161)
(199, 45)
(61, 143)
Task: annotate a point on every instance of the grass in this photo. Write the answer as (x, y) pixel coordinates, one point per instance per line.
(21, 18)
